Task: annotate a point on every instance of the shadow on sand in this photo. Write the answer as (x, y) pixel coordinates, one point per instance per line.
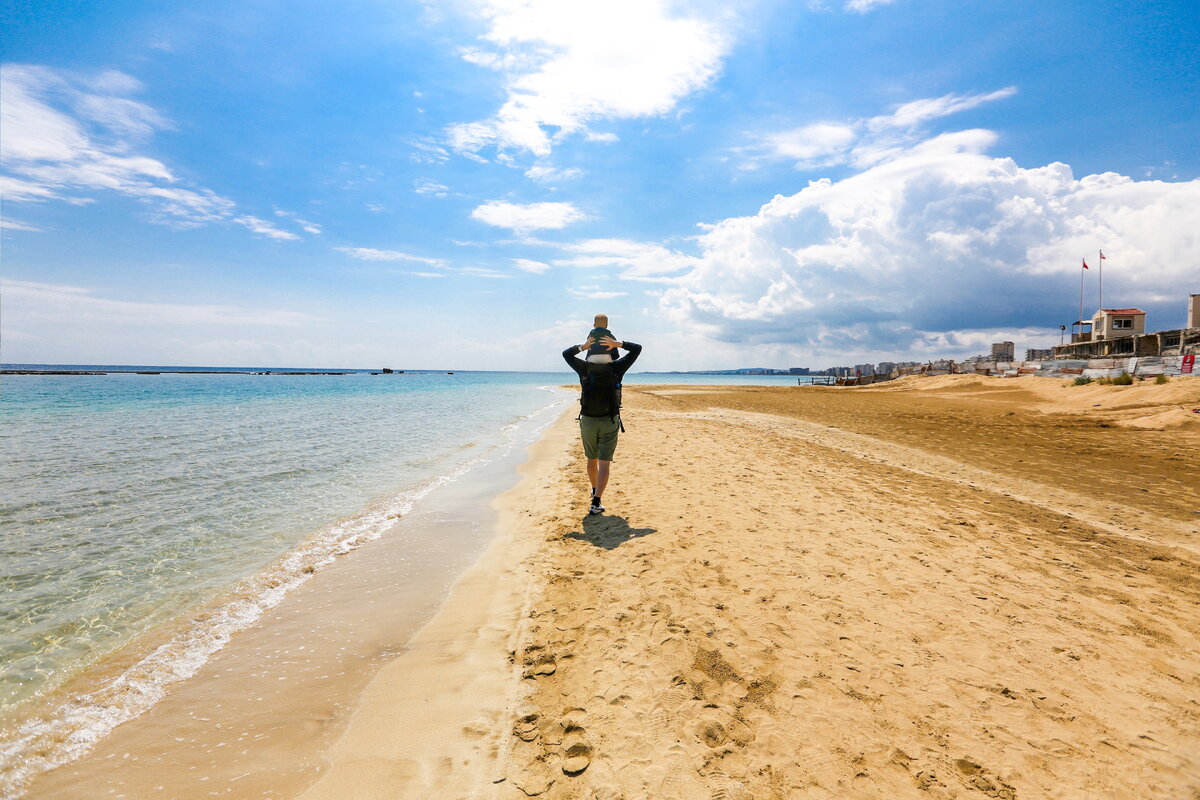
(608, 532)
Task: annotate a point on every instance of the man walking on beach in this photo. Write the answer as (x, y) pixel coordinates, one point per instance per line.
(600, 408)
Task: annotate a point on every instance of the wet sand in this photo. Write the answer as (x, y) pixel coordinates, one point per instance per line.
(934, 589)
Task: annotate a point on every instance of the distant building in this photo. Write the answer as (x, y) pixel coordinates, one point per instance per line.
(1118, 332)
(864, 369)
(1003, 351)
(885, 368)
(798, 371)
(1114, 323)
(1039, 355)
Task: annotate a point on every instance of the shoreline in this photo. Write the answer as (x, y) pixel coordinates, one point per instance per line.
(278, 690)
(428, 724)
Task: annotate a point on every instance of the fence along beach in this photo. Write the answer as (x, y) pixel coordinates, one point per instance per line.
(933, 587)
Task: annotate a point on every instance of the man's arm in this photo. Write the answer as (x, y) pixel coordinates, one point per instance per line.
(573, 362)
(633, 350)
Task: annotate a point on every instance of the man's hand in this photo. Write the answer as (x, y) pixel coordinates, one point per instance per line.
(590, 341)
(610, 343)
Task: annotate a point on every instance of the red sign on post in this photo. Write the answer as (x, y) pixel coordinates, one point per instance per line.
(1189, 362)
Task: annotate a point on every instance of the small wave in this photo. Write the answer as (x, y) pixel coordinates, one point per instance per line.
(75, 727)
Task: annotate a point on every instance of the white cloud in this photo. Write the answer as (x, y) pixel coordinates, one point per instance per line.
(568, 64)
(264, 228)
(528, 265)
(913, 113)
(544, 173)
(305, 225)
(484, 272)
(532, 216)
(862, 142)
(10, 224)
(28, 302)
(595, 293)
(426, 186)
(935, 249)
(67, 136)
(811, 143)
(15, 190)
(863, 6)
(635, 260)
(371, 254)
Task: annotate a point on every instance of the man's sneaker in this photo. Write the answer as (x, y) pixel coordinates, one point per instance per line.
(596, 507)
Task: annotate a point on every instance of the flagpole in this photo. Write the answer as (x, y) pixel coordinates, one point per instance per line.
(1081, 271)
(1100, 277)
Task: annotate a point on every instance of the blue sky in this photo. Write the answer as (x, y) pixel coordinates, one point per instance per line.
(463, 184)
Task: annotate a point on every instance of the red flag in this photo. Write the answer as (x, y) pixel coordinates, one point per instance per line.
(1085, 266)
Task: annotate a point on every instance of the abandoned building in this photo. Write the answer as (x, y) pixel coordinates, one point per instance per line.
(1122, 332)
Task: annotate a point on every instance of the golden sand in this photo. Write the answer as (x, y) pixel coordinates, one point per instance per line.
(934, 588)
(823, 593)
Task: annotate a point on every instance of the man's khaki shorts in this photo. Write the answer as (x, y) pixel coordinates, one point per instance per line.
(599, 436)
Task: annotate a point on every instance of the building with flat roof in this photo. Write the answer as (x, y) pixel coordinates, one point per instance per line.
(1003, 351)
(1035, 354)
(1113, 323)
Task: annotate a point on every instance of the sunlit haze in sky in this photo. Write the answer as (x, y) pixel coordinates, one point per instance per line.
(464, 184)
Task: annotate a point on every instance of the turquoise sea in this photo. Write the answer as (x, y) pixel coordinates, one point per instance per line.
(132, 500)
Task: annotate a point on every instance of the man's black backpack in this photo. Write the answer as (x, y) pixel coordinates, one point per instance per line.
(601, 396)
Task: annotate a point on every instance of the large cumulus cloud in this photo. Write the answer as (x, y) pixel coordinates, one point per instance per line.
(936, 244)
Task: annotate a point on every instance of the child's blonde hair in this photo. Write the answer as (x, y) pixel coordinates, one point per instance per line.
(601, 321)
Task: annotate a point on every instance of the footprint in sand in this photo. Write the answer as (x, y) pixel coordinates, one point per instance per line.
(712, 733)
(538, 662)
(984, 780)
(526, 727)
(577, 753)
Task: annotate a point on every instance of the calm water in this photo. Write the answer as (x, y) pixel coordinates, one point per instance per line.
(129, 498)
(133, 500)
